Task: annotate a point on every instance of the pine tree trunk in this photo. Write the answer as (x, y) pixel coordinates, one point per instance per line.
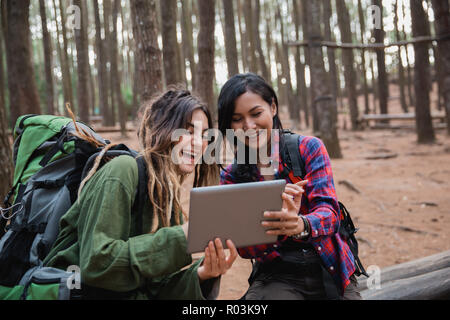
(307, 50)
(115, 74)
(107, 13)
(67, 78)
(242, 37)
(401, 73)
(362, 29)
(2, 68)
(425, 132)
(230, 38)
(323, 102)
(169, 40)
(348, 60)
(248, 17)
(6, 169)
(334, 82)
(442, 26)
(101, 67)
(383, 84)
(205, 46)
(47, 59)
(83, 71)
(188, 42)
(261, 60)
(292, 105)
(149, 60)
(23, 95)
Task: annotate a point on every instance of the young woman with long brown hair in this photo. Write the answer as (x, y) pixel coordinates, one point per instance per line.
(98, 233)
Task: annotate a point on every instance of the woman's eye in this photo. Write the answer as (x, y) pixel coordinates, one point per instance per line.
(236, 119)
(255, 115)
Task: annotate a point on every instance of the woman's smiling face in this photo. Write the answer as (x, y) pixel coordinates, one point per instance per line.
(254, 116)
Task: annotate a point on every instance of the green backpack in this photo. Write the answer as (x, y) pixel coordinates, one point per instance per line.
(50, 160)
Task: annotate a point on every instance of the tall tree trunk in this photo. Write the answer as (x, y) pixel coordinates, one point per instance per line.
(230, 38)
(101, 67)
(115, 73)
(2, 65)
(327, 126)
(169, 40)
(248, 17)
(188, 41)
(205, 45)
(442, 26)
(82, 63)
(383, 84)
(268, 31)
(47, 59)
(293, 107)
(257, 37)
(107, 13)
(23, 95)
(362, 29)
(334, 82)
(6, 169)
(401, 74)
(348, 60)
(242, 38)
(149, 60)
(425, 132)
(67, 78)
(307, 50)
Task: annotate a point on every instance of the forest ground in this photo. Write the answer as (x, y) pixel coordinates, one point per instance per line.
(403, 204)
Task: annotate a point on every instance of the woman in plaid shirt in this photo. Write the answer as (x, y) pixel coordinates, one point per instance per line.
(309, 260)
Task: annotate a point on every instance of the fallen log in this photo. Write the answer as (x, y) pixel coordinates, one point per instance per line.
(410, 269)
(429, 286)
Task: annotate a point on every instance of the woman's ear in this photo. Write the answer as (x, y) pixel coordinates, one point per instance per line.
(273, 108)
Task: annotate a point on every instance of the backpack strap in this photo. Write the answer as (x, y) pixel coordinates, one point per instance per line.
(291, 141)
(141, 194)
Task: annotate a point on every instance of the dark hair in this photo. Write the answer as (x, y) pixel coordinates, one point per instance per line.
(230, 92)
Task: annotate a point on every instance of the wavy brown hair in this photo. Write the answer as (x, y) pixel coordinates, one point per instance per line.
(161, 116)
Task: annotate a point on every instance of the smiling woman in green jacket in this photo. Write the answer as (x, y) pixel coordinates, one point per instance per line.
(98, 233)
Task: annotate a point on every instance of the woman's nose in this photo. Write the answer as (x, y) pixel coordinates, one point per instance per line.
(249, 124)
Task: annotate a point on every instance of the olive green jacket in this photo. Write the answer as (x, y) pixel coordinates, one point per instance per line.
(97, 235)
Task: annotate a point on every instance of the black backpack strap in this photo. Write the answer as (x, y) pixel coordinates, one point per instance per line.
(141, 194)
(291, 141)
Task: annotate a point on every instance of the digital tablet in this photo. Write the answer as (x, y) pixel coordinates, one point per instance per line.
(234, 212)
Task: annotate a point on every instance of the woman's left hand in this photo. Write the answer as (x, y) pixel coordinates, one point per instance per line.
(288, 221)
(216, 263)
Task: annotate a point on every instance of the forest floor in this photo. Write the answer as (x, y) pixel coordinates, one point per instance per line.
(402, 204)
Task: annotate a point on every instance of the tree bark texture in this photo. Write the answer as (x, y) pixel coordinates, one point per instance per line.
(23, 95)
(83, 70)
(101, 66)
(230, 38)
(442, 26)
(47, 59)
(187, 38)
(424, 125)
(115, 74)
(205, 47)
(323, 99)
(149, 60)
(169, 41)
(383, 84)
(348, 60)
(67, 78)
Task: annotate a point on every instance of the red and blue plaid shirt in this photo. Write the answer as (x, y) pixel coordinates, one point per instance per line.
(319, 205)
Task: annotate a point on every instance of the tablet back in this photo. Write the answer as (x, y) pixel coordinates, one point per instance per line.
(232, 212)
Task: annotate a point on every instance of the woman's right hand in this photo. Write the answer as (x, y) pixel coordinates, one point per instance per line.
(294, 192)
